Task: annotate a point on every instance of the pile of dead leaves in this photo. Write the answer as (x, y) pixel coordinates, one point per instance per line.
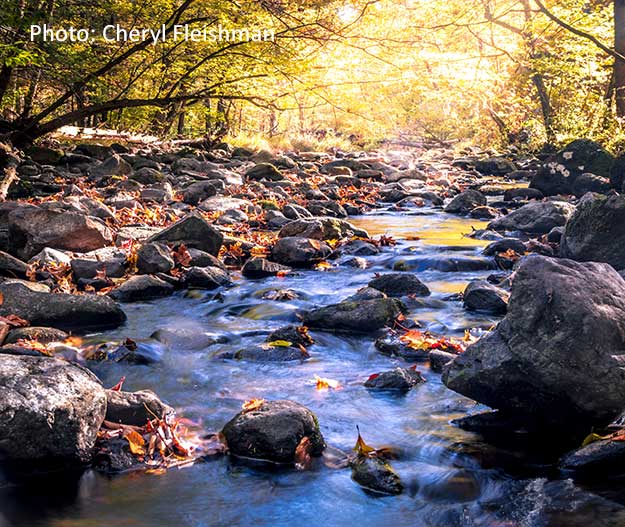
(425, 341)
(161, 444)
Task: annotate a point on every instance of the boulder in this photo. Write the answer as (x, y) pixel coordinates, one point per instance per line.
(272, 431)
(399, 379)
(50, 410)
(321, 229)
(154, 258)
(262, 268)
(438, 360)
(141, 287)
(134, 408)
(536, 218)
(557, 357)
(363, 316)
(481, 295)
(11, 266)
(559, 173)
(596, 231)
(40, 334)
(32, 229)
(494, 166)
(602, 457)
(264, 171)
(194, 231)
(376, 475)
(300, 252)
(399, 284)
(590, 183)
(466, 201)
(206, 278)
(504, 245)
(60, 310)
(113, 267)
(198, 192)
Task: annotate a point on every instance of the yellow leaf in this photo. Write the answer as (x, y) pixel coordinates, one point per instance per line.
(135, 442)
(279, 344)
(591, 438)
(362, 448)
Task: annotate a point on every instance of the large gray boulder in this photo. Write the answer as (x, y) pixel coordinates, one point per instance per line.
(466, 201)
(558, 355)
(535, 218)
(596, 232)
(60, 310)
(32, 229)
(272, 431)
(50, 410)
(194, 231)
(559, 173)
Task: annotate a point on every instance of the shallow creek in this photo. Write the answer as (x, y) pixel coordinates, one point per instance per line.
(453, 478)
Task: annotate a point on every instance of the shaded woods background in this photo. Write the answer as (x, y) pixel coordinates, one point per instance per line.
(524, 72)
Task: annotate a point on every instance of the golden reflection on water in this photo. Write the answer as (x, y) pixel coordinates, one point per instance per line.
(431, 229)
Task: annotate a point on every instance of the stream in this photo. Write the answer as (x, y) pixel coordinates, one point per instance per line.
(452, 477)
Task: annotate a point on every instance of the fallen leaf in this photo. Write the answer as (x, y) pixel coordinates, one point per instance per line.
(362, 448)
(324, 384)
(118, 386)
(279, 343)
(252, 404)
(303, 459)
(135, 442)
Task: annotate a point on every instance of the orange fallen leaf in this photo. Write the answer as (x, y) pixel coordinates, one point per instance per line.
(253, 404)
(325, 384)
(362, 448)
(303, 459)
(118, 386)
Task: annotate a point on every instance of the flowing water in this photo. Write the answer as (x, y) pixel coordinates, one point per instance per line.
(452, 477)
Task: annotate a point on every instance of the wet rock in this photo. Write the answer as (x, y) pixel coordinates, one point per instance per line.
(522, 193)
(269, 353)
(141, 287)
(484, 213)
(264, 171)
(399, 284)
(536, 217)
(206, 278)
(40, 334)
(363, 316)
(32, 229)
(130, 351)
(11, 266)
(556, 356)
(273, 431)
(194, 231)
(601, 457)
(376, 475)
(60, 310)
(187, 335)
(400, 379)
(321, 229)
(596, 232)
(134, 408)
(559, 173)
(154, 258)
(444, 263)
(297, 335)
(438, 360)
(359, 248)
(365, 293)
(457, 486)
(261, 268)
(480, 295)
(466, 201)
(300, 252)
(504, 245)
(50, 410)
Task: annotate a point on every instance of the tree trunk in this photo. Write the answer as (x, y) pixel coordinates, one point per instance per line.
(545, 106)
(619, 65)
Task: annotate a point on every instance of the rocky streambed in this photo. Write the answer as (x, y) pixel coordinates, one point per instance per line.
(192, 273)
